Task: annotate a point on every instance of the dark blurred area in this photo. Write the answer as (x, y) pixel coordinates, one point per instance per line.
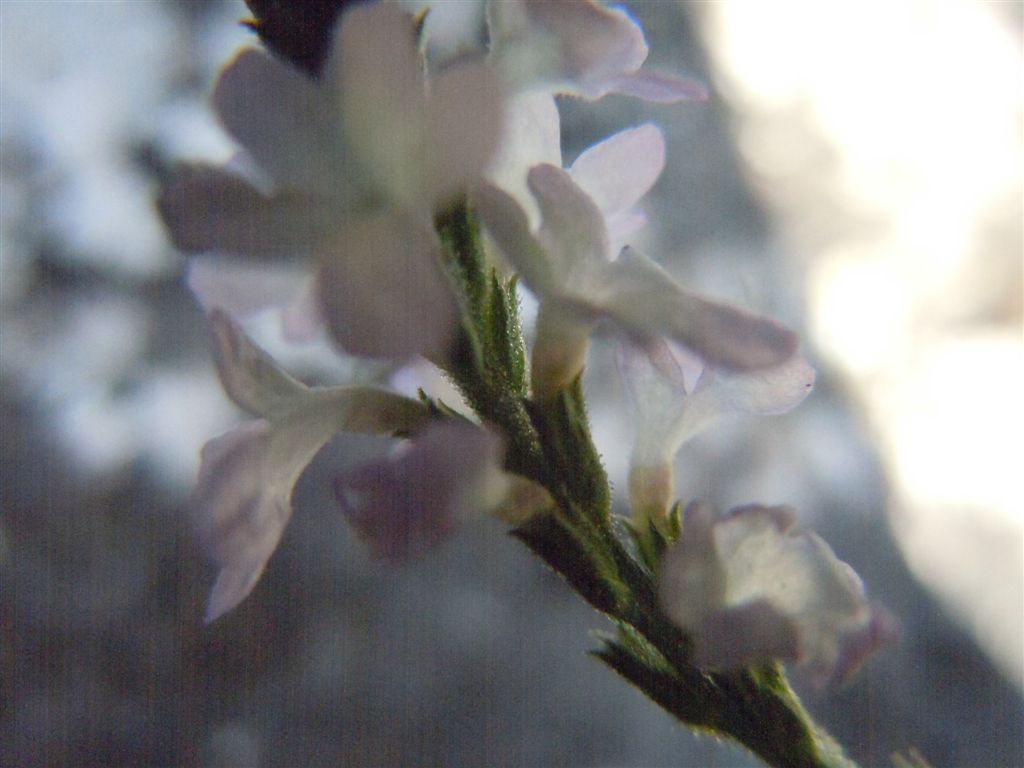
(473, 655)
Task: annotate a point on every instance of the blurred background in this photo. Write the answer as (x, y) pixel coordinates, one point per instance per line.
(857, 173)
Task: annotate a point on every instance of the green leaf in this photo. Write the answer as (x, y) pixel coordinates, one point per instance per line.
(459, 230)
(564, 430)
(506, 334)
(562, 551)
(747, 706)
(641, 648)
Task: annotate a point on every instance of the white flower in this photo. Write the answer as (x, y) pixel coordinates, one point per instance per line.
(582, 49)
(615, 173)
(567, 265)
(750, 587)
(405, 503)
(357, 163)
(243, 497)
(579, 49)
(676, 395)
(400, 505)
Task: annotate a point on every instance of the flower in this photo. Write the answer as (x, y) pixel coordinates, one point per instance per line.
(242, 500)
(558, 228)
(355, 164)
(676, 395)
(579, 49)
(405, 503)
(750, 587)
(567, 265)
(400, 505)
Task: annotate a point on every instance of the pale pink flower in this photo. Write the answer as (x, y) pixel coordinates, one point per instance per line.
(401, 504)
(580, 49)
(357, 162)
(750, 587)
(675, 395)
(568, 265)
(408, 502)
(243, 498)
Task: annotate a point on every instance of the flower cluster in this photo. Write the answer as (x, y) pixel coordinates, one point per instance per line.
(330, 214)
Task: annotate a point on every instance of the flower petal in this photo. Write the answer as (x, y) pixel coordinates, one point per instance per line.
(464, 126)
(417, 150)
(243, 500)
(237, 520)
(597, 42)
(750, 586)
(506, 223)
(375, 66)
(567, 47)
(530, 136)
(620, 170)
(382, 290)
(403, 505)
(573, 230)
(645, 301)
(766, 391)
(257, 384)
(242, 289)
(659, 87)
(207, 209)
(581, 49)
(250, 377)
(283, 118)
(754, 632)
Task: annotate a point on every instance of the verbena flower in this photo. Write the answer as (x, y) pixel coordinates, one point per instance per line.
(750, 587)
(355, 164)
(246, 478)
(405, 503)
(675, 395)
(567, 264)
(580, 49)
(243, 498)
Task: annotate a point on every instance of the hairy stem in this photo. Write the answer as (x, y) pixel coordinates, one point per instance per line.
(550, 442)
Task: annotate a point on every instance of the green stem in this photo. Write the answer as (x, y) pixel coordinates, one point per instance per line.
(550, 442)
